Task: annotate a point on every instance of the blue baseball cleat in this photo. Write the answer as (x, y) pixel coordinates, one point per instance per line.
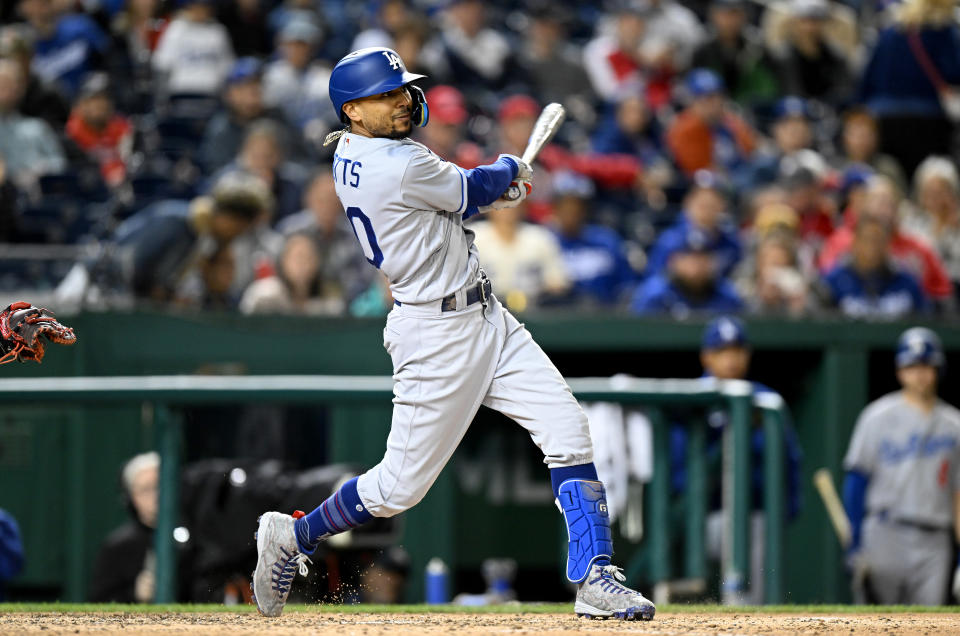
(602, 596)
(278, 561)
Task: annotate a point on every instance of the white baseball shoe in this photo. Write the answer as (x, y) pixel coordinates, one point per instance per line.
(278, 561)
(602, 596)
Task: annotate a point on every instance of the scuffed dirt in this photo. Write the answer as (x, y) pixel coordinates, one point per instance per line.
(471, 624)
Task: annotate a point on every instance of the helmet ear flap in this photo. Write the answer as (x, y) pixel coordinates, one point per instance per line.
(420, 114)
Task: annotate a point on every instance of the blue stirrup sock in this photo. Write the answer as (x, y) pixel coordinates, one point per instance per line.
(582, 500)
(341, 511)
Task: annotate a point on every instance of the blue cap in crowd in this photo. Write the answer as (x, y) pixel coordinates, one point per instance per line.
(725, 331)
(702, 81)
(244, 69)
(853, 177)
(791, 106)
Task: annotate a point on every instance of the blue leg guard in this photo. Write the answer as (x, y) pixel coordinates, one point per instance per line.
(584, 506)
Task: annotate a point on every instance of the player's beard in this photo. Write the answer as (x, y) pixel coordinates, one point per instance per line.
(392, 128)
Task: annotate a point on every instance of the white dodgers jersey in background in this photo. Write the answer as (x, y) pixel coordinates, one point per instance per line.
(406, 206)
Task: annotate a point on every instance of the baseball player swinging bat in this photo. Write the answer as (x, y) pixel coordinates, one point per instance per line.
(549, 121)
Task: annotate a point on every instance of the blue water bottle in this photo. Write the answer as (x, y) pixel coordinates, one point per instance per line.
(437, 581)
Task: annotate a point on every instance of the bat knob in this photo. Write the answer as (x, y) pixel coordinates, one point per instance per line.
(512, 193)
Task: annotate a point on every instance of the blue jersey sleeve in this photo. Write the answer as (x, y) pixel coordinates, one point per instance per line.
(854, 502)
(485, 184)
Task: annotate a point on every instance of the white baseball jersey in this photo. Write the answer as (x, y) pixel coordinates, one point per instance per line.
(912, 459)
(406, 206)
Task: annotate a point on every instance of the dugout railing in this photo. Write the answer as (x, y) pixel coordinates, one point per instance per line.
(166, 393)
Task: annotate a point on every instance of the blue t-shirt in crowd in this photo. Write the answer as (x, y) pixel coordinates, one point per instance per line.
(886, 294)
(722, 243)
(894, 83)
(70, 52)
(597, 263)
(658, 295)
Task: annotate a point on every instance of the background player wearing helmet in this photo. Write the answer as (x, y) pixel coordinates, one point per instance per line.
(453, 345)
(902, 487)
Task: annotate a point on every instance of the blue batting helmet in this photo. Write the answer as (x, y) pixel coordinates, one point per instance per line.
(919, 345)
(725, 331)
(371, 71)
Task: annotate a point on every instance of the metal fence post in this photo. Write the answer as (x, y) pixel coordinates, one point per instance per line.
(737, 497)
(696, 556)
(660, 498)
(168, 428)
(773, 496)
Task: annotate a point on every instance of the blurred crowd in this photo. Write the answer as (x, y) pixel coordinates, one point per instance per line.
(787, 157)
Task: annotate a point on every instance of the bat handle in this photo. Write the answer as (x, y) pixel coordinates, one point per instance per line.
(512, 193)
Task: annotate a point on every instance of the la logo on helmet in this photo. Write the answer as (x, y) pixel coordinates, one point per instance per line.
(395, 62)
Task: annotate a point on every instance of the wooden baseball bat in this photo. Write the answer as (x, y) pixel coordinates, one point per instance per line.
(831, 501)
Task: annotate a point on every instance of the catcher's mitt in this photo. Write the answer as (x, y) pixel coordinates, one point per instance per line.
(23, 329)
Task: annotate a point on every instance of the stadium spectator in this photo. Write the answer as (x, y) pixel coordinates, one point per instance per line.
(11, 550)
(689, 285)
(40, 99)
(125, 568)
(704, 212)
(791, 132)
(342, 265)
(297, 84)
(935, 214)
(803, 179)
(882, 201)
(67, 45)
(28, 146)
(194, 55)
(153, 249)
(246, 22)
(262, 156)
(208, 283)
(466, 49)
(523, 260)
(810, 64)
(99, 131)
(631, 129)
(612, 59)
(735, 52)
(707, 135)
(908, 79)
(243, 107)
(135, 32)
(673, 30)
(551, 63)
(595, 256)
(868, 284)
(859, 140)
(391, 17)
(445, 135)
(771, 279)
(298, 286)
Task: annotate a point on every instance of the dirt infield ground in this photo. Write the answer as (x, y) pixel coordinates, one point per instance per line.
(461, 624)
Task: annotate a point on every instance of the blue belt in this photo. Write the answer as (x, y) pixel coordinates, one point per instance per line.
(478, 293)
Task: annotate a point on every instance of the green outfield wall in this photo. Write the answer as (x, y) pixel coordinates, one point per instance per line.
(494, 498)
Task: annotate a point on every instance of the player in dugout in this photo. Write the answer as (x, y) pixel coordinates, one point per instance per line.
(453, 345)
(902, 486)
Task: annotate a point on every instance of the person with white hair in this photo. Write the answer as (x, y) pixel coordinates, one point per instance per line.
(935, 213)
(125, 568)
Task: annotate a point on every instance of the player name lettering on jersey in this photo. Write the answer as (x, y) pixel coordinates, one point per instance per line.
(915, 446)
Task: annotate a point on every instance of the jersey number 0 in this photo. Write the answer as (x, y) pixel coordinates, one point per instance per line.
(363, 229)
